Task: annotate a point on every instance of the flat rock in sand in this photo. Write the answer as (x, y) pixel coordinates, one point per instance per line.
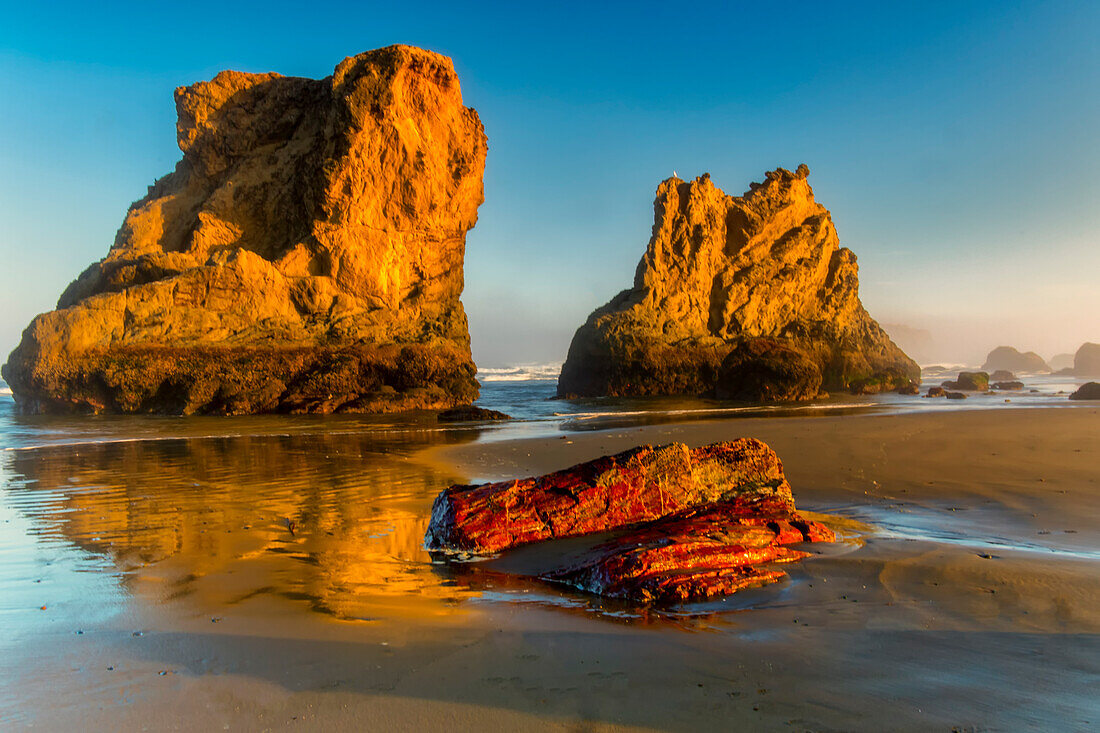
(690, 524)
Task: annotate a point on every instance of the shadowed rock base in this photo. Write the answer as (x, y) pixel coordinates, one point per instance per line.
(237, 381)
(695, 524)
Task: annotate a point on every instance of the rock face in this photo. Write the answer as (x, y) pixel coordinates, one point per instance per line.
(768, 370)
(305, 255)
(696, 523)
(721, 272)
(1010, 360)
(1086, 362)
(1087, 391)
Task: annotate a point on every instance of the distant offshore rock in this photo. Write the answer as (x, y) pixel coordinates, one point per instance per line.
(1086, 362)
(1009, 359)
(1087, 391)
(970, 382)
(306, 255)
(1008, 385)
(1060, 362)
(750, 297)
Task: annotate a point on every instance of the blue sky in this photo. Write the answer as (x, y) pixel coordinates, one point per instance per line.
(955, 143)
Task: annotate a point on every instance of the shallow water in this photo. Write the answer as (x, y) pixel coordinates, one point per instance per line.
(328, 512)
(126, 525)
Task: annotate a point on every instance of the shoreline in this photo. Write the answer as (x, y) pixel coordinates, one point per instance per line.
(963, 596)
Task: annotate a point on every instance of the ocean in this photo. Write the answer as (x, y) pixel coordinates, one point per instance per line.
(113, 527)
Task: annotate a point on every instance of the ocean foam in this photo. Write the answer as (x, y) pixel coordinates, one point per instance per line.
(520, 373)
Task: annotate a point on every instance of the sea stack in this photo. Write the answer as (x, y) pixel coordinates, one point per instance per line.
(1010, 359)
(306, 255)
(747, 297)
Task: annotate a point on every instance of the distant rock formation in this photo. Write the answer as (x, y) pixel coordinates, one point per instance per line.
(1001, 375)
(305, 255)
(1058, 362)
(721, 272)
(1087, 391)
(1086, 362)
(916, 342)
(1011, 360)
(1008, 385)
(970, 382)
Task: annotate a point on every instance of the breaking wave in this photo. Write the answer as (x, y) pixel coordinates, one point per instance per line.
(520, 373)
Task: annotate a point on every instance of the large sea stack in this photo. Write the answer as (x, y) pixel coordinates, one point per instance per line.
(747, 297)
(305, 255)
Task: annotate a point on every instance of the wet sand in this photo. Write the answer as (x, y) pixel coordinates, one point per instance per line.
(964, 595)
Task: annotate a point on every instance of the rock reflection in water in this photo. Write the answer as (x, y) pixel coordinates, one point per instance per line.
(333, 519)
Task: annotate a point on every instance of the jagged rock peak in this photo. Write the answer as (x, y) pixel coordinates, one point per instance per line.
(306, 254)
(721, 269)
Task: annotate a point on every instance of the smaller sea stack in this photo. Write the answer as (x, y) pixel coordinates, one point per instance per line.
(748, 297)
(305, 255)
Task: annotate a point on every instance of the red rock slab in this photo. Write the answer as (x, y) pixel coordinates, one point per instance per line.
(702, 554)
(640, 485)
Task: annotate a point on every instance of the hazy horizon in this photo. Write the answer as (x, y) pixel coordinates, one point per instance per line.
(955, 147)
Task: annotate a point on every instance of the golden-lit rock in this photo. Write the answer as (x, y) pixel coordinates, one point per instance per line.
(305, 255)
(720, 272)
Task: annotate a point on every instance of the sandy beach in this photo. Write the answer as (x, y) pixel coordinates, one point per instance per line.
(962, 596)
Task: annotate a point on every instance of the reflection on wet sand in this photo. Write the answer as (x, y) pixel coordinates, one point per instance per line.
(336, 520)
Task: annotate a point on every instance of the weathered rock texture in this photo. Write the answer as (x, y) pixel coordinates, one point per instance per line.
(305, 255)
(696, 523)
(1011, 360)
(721, 271)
